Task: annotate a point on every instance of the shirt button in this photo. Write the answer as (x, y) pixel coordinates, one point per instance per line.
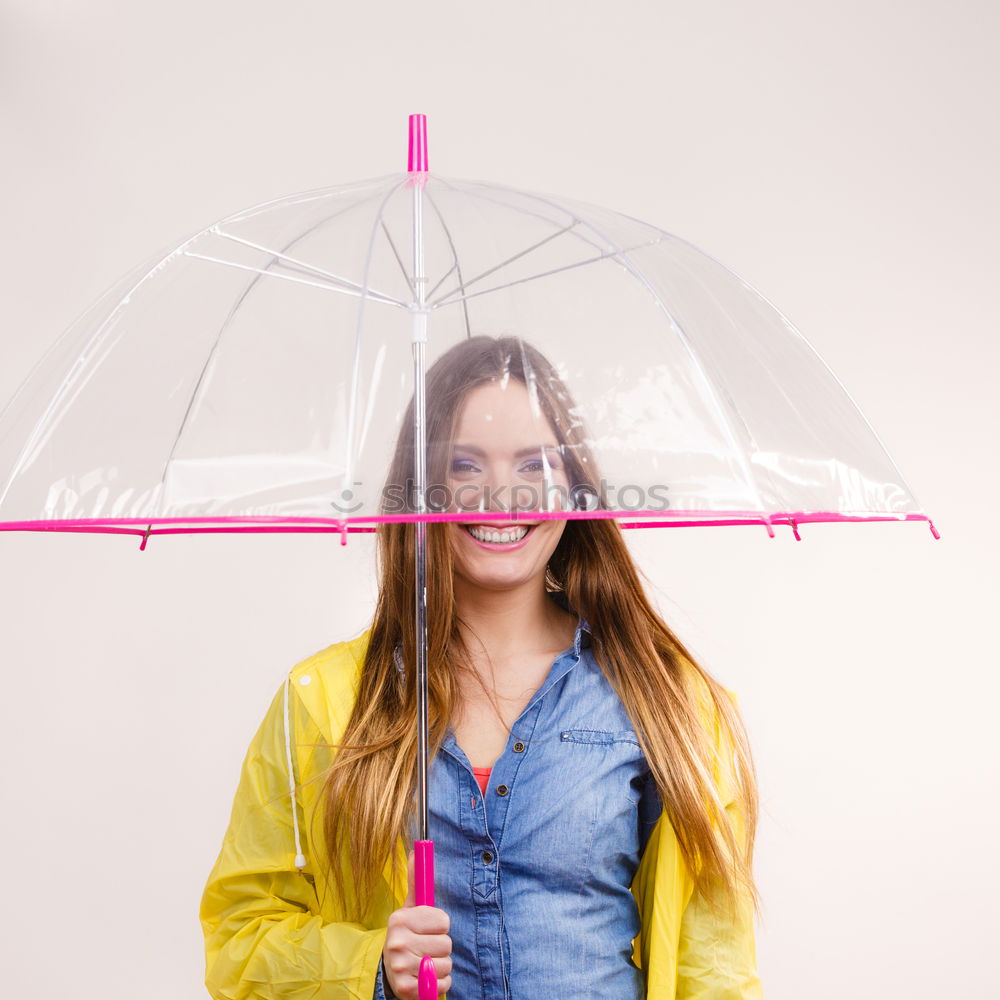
(502, 789)
(518, 747)
(487, 857)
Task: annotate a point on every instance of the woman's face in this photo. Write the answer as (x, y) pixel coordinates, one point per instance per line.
(505, 457)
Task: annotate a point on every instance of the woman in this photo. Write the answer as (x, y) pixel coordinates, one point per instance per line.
(563, 713)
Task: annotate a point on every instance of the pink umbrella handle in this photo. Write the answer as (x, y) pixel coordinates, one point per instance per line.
(423, 895)
(427, 980)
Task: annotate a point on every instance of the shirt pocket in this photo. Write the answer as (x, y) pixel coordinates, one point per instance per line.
(615, 756)
(608, 770)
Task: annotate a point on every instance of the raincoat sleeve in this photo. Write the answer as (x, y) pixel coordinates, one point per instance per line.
(264, 936)
(716, 957)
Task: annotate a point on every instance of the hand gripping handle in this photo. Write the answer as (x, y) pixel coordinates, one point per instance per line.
(423, 895)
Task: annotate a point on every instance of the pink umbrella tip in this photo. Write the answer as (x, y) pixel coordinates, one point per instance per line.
(417, 162)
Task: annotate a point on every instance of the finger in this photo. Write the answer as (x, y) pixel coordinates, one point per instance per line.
(441, 970)
(404, 983)
(428, 920)
(435, 945)
(442, 965)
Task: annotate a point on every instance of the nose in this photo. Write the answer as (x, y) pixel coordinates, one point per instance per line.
(496, 497)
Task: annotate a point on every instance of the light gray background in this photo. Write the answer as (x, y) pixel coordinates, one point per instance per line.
(843, 158)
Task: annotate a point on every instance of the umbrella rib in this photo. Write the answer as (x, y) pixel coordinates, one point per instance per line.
(232, 313)
(699, 367)
(794, 330)
(377, 296)
(441, 280)
(312, 268)
(509, 260)
(621, 254)
(79, 364)
(456, 266)
(70, 378)
(696, 279)
(473, 193)
(352, 405)
(399, 260)
(544, 274)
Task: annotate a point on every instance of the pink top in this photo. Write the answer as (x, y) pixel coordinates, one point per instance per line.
(482, 777)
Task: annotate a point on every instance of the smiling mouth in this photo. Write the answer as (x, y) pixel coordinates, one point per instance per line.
(503, 535)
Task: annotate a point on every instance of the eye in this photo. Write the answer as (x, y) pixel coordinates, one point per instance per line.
(536, 464)
(466, 465)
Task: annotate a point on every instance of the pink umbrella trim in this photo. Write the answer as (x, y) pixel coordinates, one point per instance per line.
(274, 524)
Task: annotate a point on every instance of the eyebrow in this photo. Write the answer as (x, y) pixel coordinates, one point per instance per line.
(472, 449)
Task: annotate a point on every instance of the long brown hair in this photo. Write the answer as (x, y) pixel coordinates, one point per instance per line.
(368, 797)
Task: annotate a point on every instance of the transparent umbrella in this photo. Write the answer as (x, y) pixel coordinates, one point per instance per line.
(268, 374)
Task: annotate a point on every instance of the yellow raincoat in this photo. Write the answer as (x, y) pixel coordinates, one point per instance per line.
(272, 932)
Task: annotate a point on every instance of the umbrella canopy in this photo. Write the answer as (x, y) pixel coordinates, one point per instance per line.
(257, 376)
(271, 374)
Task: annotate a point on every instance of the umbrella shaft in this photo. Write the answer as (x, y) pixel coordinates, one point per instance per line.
(421, 683)
(419, 317)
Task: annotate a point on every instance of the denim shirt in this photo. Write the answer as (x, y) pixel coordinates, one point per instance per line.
(536, 876)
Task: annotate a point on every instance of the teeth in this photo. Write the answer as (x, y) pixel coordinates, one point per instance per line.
(497, 537)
